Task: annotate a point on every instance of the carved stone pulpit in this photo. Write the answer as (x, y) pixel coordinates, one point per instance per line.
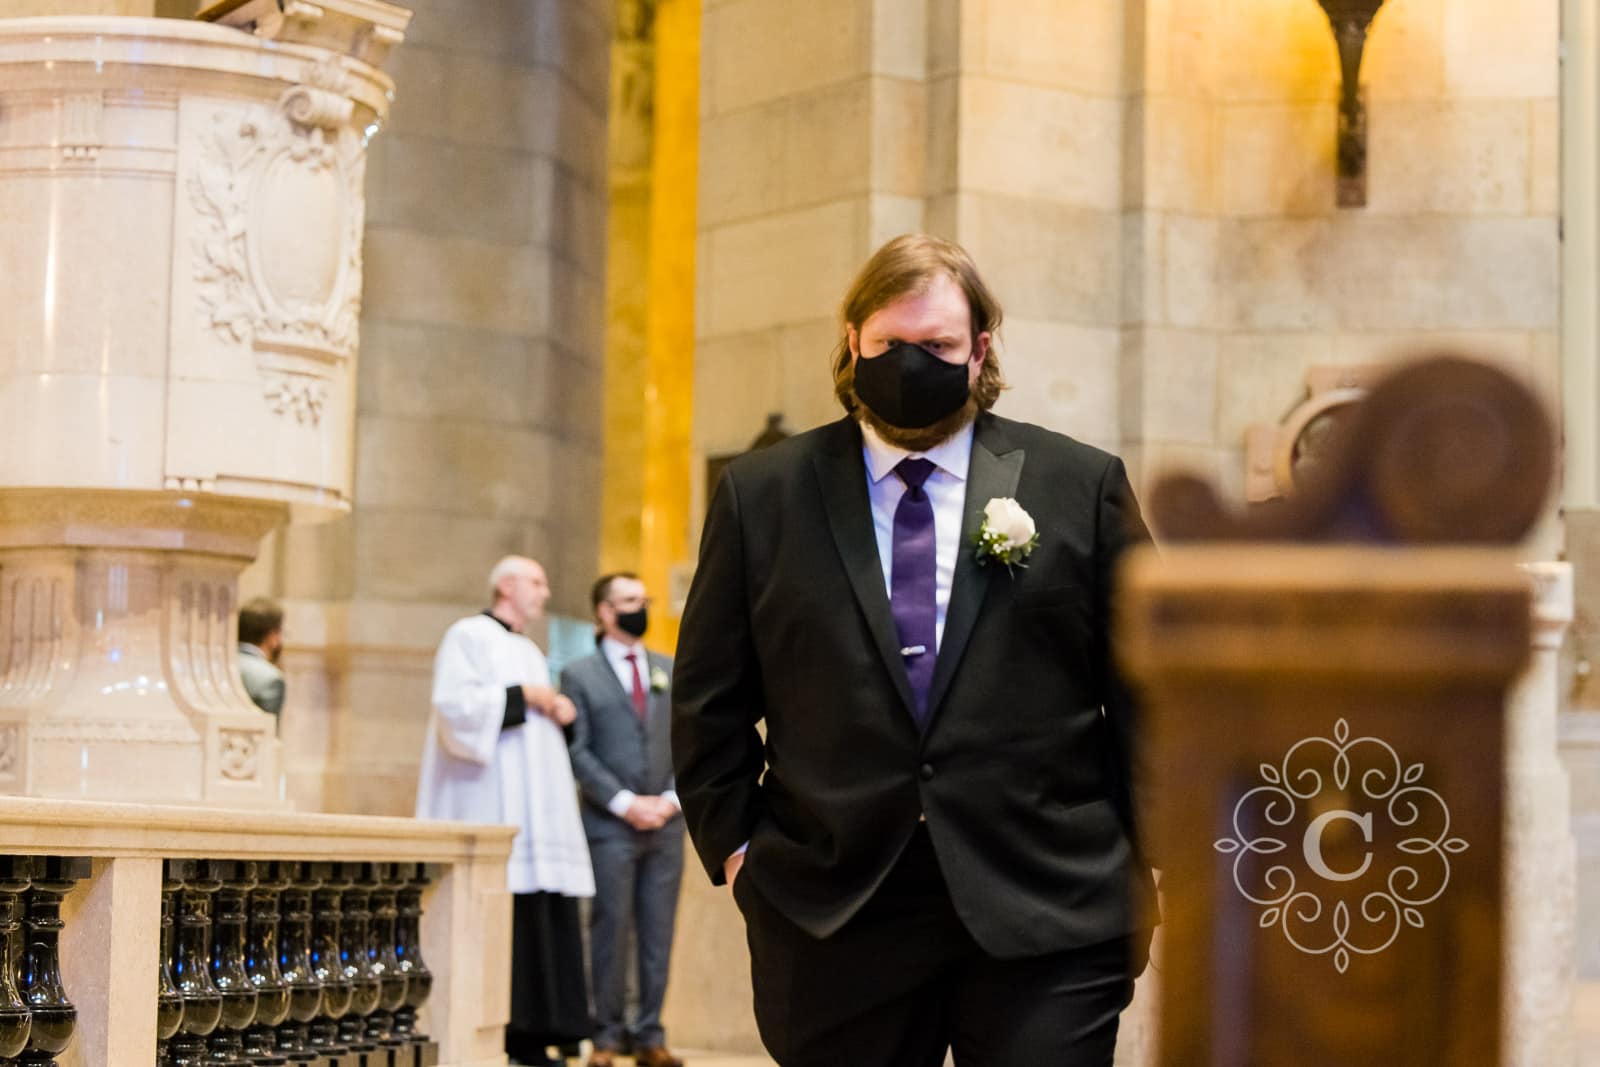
(183, 207)
(1324, 686)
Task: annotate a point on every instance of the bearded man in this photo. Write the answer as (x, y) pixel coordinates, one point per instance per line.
(933, 845)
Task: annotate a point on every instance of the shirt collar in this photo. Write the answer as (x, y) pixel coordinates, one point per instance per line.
(952, 455)
(617, 652)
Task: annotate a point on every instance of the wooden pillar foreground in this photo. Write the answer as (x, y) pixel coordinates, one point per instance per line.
(1324, 688)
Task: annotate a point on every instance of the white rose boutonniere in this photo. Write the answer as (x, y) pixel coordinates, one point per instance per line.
(658, 680)
(1007, 533)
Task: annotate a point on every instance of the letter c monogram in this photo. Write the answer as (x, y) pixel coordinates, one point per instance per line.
(1313, 844)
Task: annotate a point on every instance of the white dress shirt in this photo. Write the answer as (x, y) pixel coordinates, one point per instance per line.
(616, 654)
(947, 491)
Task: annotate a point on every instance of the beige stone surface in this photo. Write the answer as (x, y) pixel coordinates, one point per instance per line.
(1169, 385)
(1172, 154)
(1456, 157)
(121, 453)
(1423, 271)
(1502, 52)
(1063, 44)
(899, 141)
(743, 369)
(1048, 261)
(419, 468)
(805, 353)
(742, 162)
(1064, 377)
(1191, 285)
(457, 281)
(1544, 195)
(1270, 52)
(1541, 875)
(1405, 51)
(28, 8)
(823, 43)
(900, 38)
(470, 191)
(1062, 130)
(109, 935)
(1588, 1024)
(828, 147)
(1277, 158)
(781, 269)
(946, 42)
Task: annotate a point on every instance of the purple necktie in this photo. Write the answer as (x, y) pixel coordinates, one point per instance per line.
(912, 583)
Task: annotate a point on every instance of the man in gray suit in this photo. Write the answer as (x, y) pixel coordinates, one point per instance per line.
(260, 642)
(622, 758)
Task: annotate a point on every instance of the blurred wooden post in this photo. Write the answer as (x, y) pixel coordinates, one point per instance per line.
(1324, 688)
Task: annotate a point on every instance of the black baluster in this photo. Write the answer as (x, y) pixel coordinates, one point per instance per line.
(16, 1021)
(228, 971)
(294, 961)
(54, 1017)
(385, 962)
(169, 1001)
(419, 980)
(191, 961)
(261, 964)
(355, 944)
(326, 963)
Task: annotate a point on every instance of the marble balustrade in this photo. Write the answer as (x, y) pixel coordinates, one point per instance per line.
(147, 936)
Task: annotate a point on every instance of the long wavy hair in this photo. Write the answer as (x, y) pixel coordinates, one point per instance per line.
(904, 266)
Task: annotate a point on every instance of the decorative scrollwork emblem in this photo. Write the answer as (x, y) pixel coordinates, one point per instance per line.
(237, 758)
(303, 398)
(277, 195)
(1348, 785)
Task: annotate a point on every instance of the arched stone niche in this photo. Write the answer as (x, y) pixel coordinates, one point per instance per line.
(1277, 454)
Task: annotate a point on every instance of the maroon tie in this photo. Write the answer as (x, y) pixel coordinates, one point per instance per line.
(641, 698)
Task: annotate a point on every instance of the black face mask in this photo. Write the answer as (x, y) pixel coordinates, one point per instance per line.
(634, 623)
(910, 387)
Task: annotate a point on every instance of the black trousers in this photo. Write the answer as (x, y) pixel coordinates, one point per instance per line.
(903, 982)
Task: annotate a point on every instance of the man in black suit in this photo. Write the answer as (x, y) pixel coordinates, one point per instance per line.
(933, 846)
(622, 759)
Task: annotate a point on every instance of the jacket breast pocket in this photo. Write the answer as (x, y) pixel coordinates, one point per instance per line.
(1059, 598)
(1058, 615)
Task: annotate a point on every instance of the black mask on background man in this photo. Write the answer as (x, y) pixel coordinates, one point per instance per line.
(910, 387)
(634, 622)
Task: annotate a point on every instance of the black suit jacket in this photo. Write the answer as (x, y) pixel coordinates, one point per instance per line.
(1024, 769)
(611, 749)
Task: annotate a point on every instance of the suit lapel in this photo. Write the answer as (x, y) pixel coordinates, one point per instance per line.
(842, 477)
(995, 470)
(660, 699)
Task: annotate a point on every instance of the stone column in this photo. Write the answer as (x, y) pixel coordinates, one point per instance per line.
(1026, 125)
(813, 123)
(1541, 859)
(183, 255)
(478, 400)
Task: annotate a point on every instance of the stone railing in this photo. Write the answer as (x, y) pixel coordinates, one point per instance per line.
(148, 935)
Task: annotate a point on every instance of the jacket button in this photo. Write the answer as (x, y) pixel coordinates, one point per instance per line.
(927, 772)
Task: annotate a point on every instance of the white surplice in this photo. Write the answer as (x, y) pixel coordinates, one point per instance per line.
(474, 771)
